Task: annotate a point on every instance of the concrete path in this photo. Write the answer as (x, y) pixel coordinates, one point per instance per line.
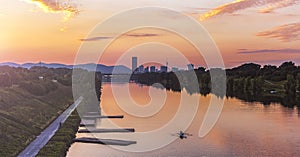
(35, 146)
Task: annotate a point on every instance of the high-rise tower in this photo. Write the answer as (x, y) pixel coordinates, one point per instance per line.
(134, 63)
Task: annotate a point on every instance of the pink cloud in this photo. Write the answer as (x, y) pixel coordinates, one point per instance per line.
(286, 33)
(238, 5)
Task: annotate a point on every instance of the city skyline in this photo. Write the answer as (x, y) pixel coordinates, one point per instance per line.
(154, 67)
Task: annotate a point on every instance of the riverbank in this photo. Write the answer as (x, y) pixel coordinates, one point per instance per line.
(22, 119)
(62, 140)
(41, 140)
(29, 101)
(249, 82)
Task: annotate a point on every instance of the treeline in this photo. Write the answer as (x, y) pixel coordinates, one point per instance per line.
(267, 84)
(11, 75)
(249, 82)
(37, 80)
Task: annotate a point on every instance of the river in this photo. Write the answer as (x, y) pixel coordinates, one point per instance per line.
(243, 129)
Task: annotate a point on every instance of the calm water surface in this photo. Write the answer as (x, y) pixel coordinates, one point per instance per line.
(243, 129)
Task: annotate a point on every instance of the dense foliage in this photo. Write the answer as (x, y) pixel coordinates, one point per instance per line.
(249, 82)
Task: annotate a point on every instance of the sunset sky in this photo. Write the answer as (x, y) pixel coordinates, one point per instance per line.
(260, 31)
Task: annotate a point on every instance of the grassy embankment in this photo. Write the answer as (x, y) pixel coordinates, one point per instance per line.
(59, 144)
(24, 116)
(29, 101)
(62, 140)
(28, 106)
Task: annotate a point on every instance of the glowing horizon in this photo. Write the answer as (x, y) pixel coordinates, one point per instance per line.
(34, 31)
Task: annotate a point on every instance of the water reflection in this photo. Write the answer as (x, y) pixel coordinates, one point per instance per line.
(244, 129)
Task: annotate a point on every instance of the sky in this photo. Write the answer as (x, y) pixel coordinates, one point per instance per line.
(259, 31)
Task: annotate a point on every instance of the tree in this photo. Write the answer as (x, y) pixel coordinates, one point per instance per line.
(259, 83)
(298, 82)
(290, 86)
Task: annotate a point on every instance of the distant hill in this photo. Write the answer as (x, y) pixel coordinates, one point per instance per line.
(90, 67)
(120, 69)
(11, 64)
(30, 65)
(50, 65)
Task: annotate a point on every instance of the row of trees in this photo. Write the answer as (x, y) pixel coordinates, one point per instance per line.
(250, 82)
(17, 75)
(40, 81)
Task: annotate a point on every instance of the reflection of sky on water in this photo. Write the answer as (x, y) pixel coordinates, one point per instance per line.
(244, 129)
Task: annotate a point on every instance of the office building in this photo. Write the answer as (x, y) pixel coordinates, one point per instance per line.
(141, 69)
(134, 63)
(146, 70)
(152, 69)
(163, 69)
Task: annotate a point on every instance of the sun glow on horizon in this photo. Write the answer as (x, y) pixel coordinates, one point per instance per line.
(53, 30)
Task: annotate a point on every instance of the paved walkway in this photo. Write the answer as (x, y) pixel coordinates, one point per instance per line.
(35, 146)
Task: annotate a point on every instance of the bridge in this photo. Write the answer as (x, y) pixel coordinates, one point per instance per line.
(116, 77)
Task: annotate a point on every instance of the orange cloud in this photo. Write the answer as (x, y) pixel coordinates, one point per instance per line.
(285, 33)
(238, 5)
(57, 6)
